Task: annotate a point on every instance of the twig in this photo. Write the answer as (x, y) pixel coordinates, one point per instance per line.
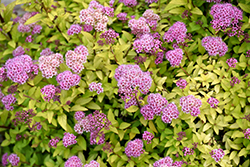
(184, 71)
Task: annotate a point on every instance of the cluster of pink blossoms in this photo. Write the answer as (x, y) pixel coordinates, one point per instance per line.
(73, 161)
(49, 92)
(53, 142)
(247, 133)
(92, 163)
(18, 51)
(134, 148)
(176, 32)
(151, 1)
(213, 102)
(217, 154)
(93, 124)
(74, 29)
(147, 44)
(49, 64)
(234, 81)
(8, 101)
(155, 106)
(129, 3)
(123, 17)
(174, 57)
(130, 77)
(215, 1)
(190, 105)
(108, 37)
(214, 46)
(4, 159)
(96, 15)
(167, 161)
(67, 79)
(96, 87)
(46, 52)
(87, 28)
(147, 136)
(69, 139)
(181, 83)
(159, 58)
(12, 158)
(24, 117)
(151, 18)
(76, 58)
(232, 62)
(20, 68)
(187, 151)
(169, 112)
(27, 28)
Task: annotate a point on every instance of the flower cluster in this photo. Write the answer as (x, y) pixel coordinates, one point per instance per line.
(123, 17)
(187, 151)
(232, 62)
(24, 117)
(159, 58)
(107, 147)
(96, 87)
(96, 15)
(247, 133)
(178, 163)
(26, 28)
(215, 1)
(181, 83)
(74, 29)
(147, 44)
(169, 112)
(76, 58)
(87, 28)
(129, 3)
(4, 159)
(36, 30)
(3, 74)
(147, 136)
(49, 92)
(73, 161)
(167, 161)
(49, 64)
(93, 124)
(217, 154)
(151, 18)
(151, 1)
(92, 163)
(69, 139)
(190, 105)
(53, 142)
(134, 148)
(155, 106)
(8, 101)
(108, 37)
(67, 79)
(46, 52)
(18, 51)
(248, 53)
(29, 39)
(213, 102)
(79, 115)
(181, 135)
(234, 81)
(214, 46)
(20, 68)
(139, 26)
(13, 159)
(176, 32)
(185, 14)
(174, 57)
(129, 78)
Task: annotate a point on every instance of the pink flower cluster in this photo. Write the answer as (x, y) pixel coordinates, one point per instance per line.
(187, 151)
(213, 102)
(73, 161)
(159, 58)
(234, 81)
(3, 74)
(215, 1)
(93, 124)
(18, 51)
(123, 17)
(20, 68)
(49, 64)
(147, 136)
(169, 112)
(14, 159)
(107, 147)
(151, 18)
(53, 142)
(92, 163)
(225, 15)
(130, 77)
(248, 53)
(24, 117)
(155, 106)
(74, 29)
(181, 135)
(49, 92)
(232, 62)
(134, 148)
(96, 15)
(8, 101)
(46, 52)
(181, 83)
(178, 163)
(151, 1)
(108, 37)
(176, 32)
(76, 58)
(36, 30)
(87, 28)
(167, 161)
(69, 139)
(4, 159)
(147, 44)
(190, 105)
(129, 3)
(26, 28)
(214, 46)
(217, 154)
(174, 57)
(96, 87)
(247, 133)
(67, 79)
(139, 26)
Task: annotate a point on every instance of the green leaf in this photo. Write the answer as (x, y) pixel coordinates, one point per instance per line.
(93, 106)
(62, 120)
(244, 7)
(152, 126)
(5, 143)
(50, 116)
(124, 125)
(127, 35)
(34, 19)
(179, 10)
(18, 2)
(82, 142)
(8, 12)
(135, 130)
(132, 109)
(196, 11)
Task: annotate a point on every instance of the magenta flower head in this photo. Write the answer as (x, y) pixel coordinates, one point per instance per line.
(122, 17)
(147, 136)
(187, 151)
(232, 62)
(134, 148)
(18, 51)
(96, 87)
(4, 159)
(79, 115)
(8, 101)
(46, 52)
(169, 112)
(213, 102)
(191, 105)
(247, 133)
(174, 57)
(167, 161)
(217, 154)
(74, 29)
(67, 79)
(129, 3)
(48, 91)
(53, 142)
(176, 32)
(181, 83)
(215, 1)
(14, 159)
(73, 161)
(214, 46)
(139, 26)
(92, 163)
(69, 139)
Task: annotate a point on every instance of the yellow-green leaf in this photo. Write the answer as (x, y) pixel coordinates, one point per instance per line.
(62, 120)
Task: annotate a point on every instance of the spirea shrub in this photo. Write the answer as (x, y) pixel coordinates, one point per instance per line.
(128, 83)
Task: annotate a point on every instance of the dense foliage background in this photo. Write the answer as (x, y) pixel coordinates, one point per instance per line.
(30, 123)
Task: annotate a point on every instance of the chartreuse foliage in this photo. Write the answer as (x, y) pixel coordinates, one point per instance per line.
(207, 76)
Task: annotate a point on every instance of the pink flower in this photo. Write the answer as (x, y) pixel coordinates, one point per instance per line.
(232, 62)
(181, 83)
(217, 154)
(67, 79)
(247, 133)
(73, 161)
(174, 57)
(14, 159)
(92, 163)
(169, 112)
(213, 102)
(74, 29)
(167, 161)
(176, 32)
(147, 136)
(134, 148)
(190, 105)
(4, 159)
(214, 46)
(69, 139)
(18, 51)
